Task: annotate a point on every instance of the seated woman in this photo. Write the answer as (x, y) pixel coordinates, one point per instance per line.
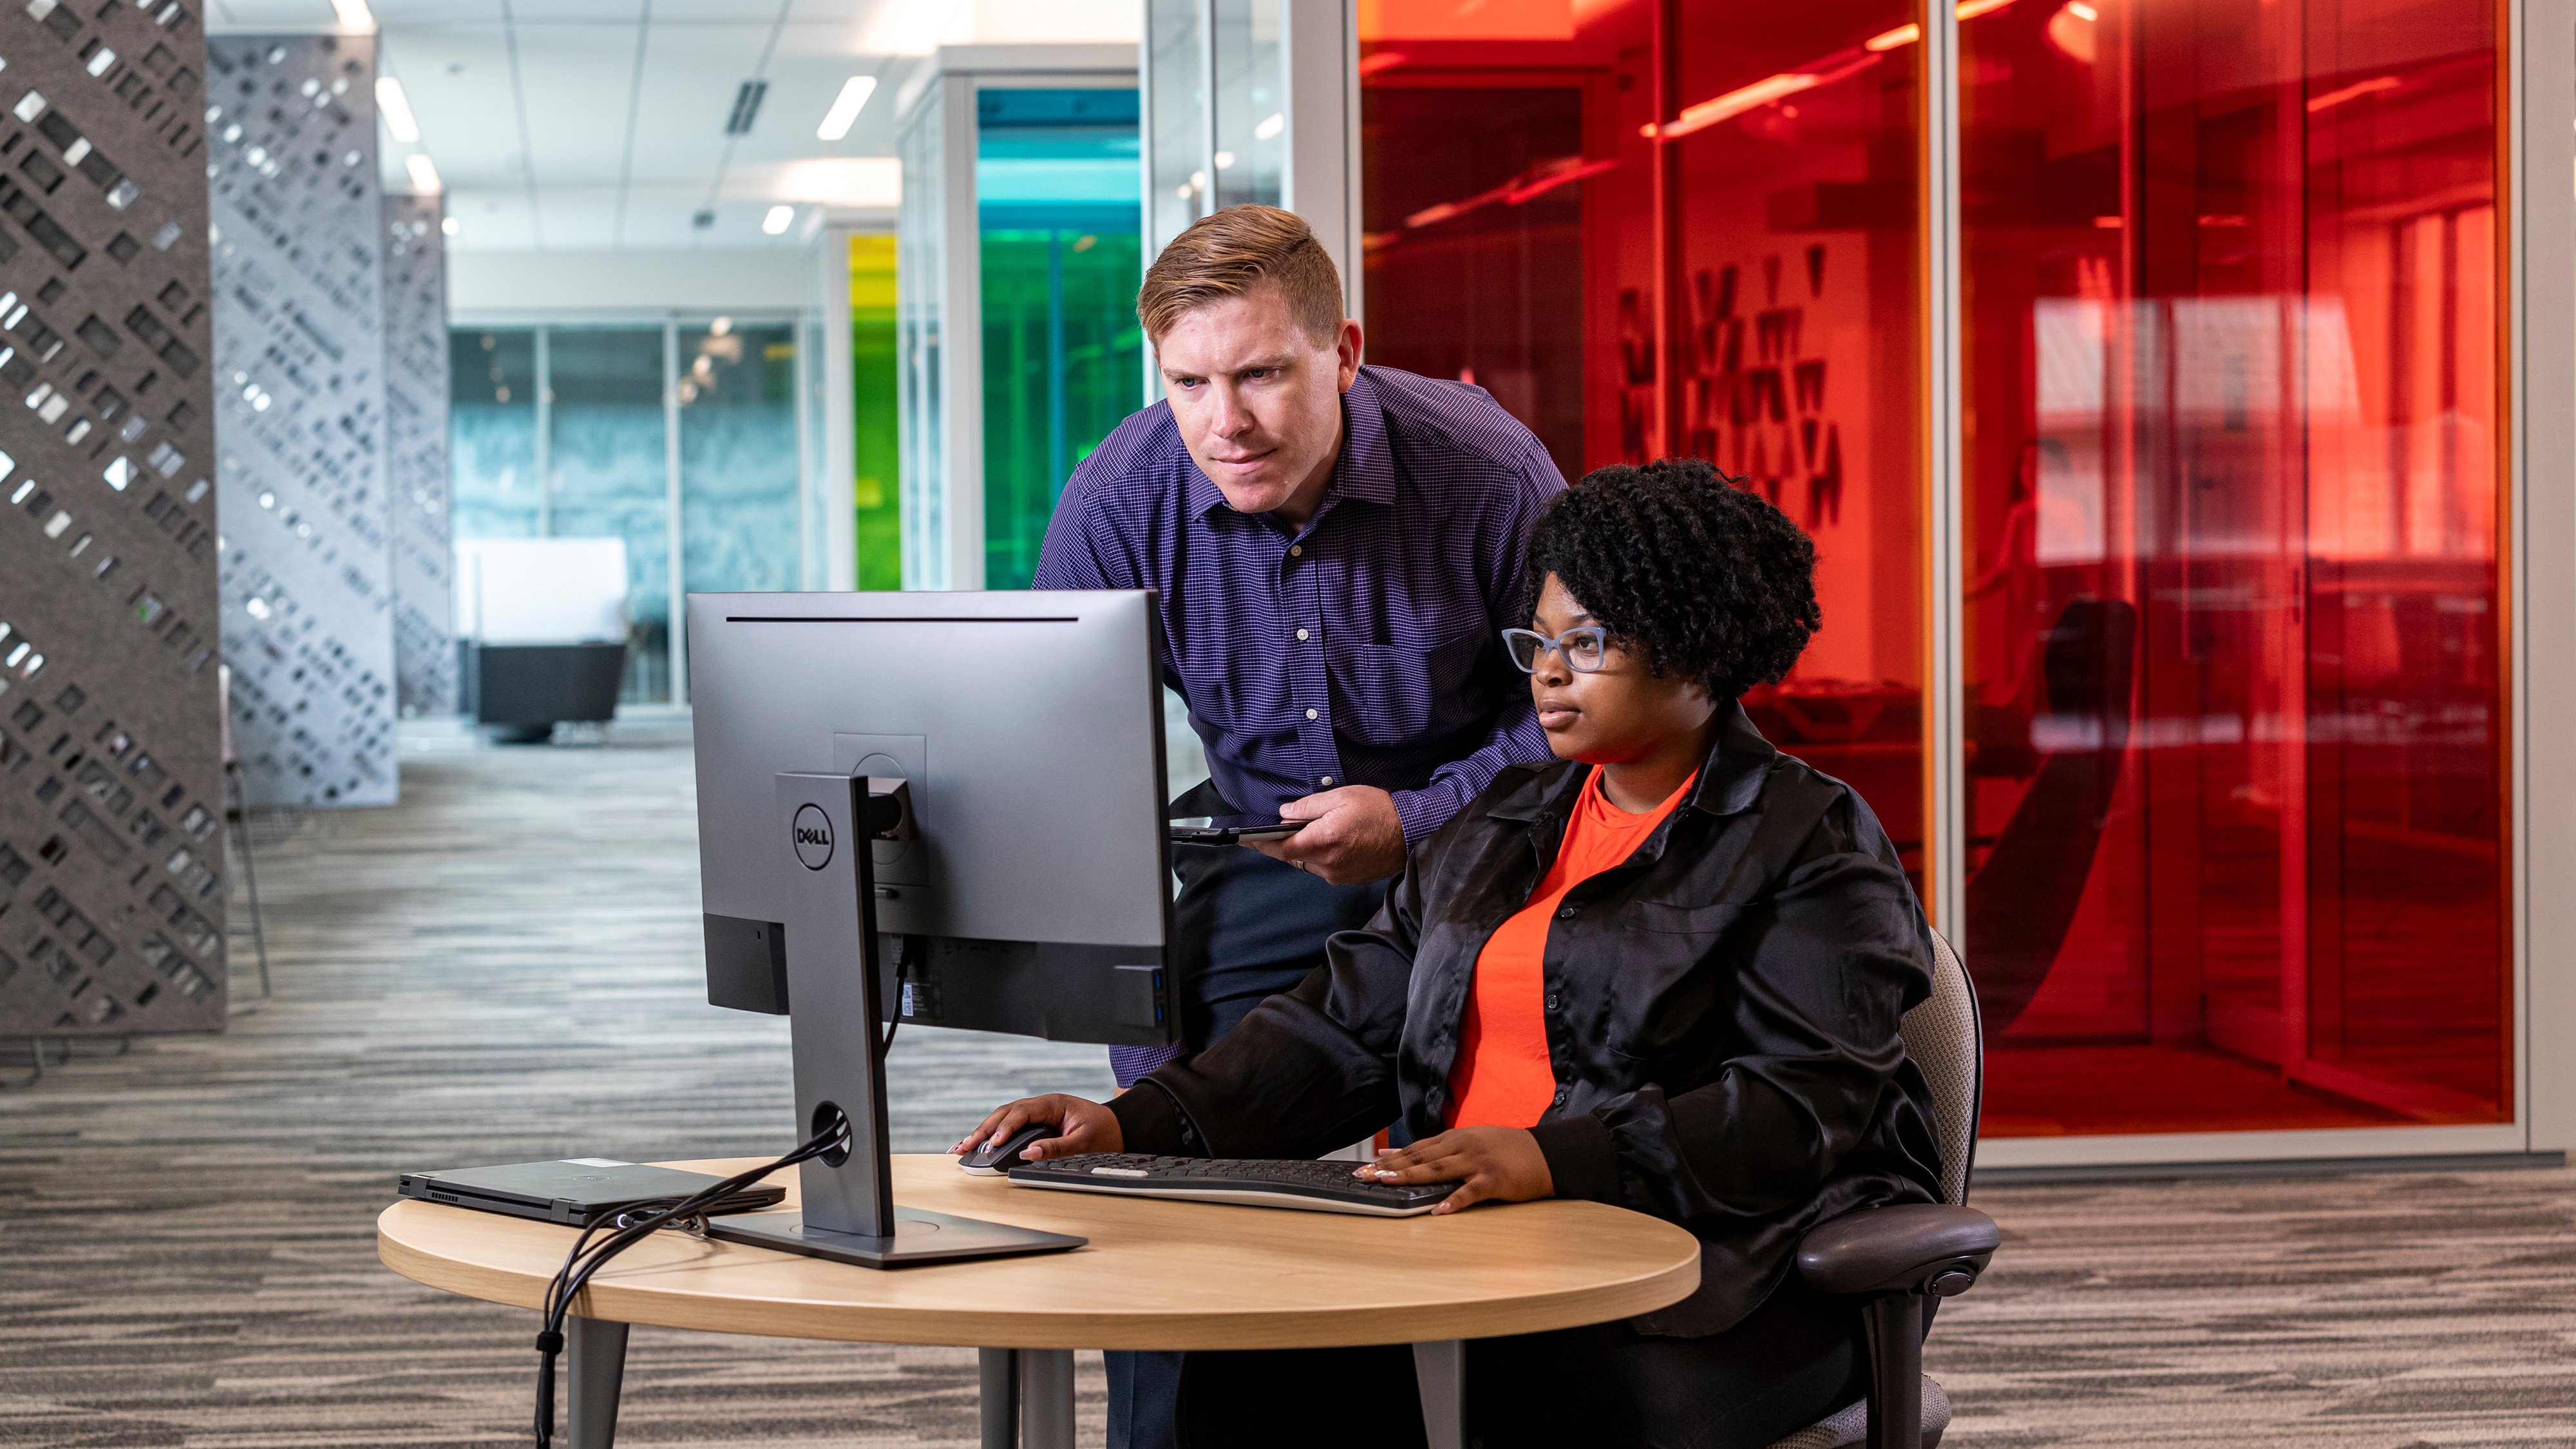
(1666, 972)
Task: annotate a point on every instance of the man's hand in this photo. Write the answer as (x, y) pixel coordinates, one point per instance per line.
(1502, 1163)
(1355, 835)
(1082, 1125)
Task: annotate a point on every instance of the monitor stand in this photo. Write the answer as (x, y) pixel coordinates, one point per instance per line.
(835, 1014)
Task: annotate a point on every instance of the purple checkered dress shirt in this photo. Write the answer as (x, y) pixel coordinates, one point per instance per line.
(1360, 650)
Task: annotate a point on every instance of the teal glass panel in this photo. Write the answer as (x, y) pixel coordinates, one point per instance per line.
(1056, 184)
(611, 479)
(738, 457)
(492, 433)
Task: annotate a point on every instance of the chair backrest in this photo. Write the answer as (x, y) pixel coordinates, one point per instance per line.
(1947, 1041)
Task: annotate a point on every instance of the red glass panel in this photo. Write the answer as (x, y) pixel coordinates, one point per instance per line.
(2235, 686)
(1684, 229)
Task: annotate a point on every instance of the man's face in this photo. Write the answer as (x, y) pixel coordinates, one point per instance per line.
(1258, 401)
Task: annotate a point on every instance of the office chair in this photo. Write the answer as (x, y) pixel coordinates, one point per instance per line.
(1893, 1258)
(2022, 897)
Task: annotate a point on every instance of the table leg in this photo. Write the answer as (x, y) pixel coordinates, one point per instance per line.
(998, 1373)
(1440, 1376)
(1046, 1398)
(594, 1368)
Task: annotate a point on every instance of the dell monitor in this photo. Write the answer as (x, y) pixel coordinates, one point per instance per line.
(942, 808)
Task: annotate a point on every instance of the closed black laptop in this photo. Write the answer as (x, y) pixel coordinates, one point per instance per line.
(575, 1190)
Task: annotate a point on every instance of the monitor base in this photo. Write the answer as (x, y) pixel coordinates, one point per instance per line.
(919, 1237)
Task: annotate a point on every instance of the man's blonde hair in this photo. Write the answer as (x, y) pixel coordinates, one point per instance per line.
(1227, 254)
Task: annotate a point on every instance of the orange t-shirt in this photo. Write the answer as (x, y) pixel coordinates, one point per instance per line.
(1503, 1077)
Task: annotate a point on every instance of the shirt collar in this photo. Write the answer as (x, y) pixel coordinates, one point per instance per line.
(1365, 471)
(1730, 779)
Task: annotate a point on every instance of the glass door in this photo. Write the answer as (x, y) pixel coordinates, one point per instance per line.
(2234, 661)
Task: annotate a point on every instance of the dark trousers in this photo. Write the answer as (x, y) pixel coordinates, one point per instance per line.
(1798, 1358)
(1245, 929)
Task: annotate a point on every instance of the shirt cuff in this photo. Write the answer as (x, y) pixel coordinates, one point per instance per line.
(1423, 812)
(1149, 1120)
(1582, 1158)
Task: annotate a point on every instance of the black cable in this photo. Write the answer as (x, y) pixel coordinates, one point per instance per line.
(641, 1220)
(633, 1226)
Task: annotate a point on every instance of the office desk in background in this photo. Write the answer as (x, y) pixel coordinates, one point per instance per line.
(1157, 1275)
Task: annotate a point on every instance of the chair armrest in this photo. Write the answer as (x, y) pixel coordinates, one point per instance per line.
(1907, 1248)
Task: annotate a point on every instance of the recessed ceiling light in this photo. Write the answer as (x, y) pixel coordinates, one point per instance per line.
(354, 15)
(448, 225)
(396, 108)
(846, 107)
(424, 176)
(780, 218)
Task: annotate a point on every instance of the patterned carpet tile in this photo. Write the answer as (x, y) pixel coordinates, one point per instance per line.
(506, 967)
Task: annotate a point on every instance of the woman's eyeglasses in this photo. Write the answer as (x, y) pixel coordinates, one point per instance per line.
(1584, 650)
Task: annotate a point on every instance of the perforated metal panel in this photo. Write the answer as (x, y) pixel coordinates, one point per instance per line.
(111, 901)
(416, 453)
(298, 262)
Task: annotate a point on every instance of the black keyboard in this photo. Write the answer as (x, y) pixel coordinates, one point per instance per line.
(1255, 1182)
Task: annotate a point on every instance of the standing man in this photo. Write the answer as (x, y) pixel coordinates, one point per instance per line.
(1335, 549)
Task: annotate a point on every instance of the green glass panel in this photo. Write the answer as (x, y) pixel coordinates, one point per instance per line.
(1057, 191)
(876, 448)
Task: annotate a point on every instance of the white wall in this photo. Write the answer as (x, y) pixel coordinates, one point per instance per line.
(489, 285)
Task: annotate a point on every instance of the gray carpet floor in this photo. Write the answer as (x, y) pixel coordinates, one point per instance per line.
(506, 967)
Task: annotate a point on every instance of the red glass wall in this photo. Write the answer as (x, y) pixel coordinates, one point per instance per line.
(2235, 682)
(1654, 229)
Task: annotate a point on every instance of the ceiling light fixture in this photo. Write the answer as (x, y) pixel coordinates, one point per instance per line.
(354, 15)
(424, 176)
(448, 225)
(395, 107)
(746, 107)
(846, 107)
(780, 218)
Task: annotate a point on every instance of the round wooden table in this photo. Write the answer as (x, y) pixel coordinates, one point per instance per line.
(1157, 1275)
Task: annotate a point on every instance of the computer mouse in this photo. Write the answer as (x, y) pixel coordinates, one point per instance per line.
(1003, 1153)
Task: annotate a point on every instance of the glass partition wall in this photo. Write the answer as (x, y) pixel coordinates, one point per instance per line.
(1653, 230)
(2225, 823)
(2235, 682)
(685, 439)
(1020, 246)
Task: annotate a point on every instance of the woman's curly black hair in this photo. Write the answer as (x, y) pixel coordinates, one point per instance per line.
(1699, 577)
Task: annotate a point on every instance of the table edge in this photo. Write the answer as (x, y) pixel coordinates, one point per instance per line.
(1105, 1327)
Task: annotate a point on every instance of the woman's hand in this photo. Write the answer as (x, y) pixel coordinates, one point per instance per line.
(1502, 1163)
(1082, 1125)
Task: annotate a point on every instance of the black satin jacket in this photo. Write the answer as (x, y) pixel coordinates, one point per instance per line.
(1722, 1014)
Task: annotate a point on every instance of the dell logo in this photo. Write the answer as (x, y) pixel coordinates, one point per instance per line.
(812, 832)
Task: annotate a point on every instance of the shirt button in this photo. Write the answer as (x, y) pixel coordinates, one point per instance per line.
(1327, 780)
(1301, 636)
(1565, 914)
(1560, 1096)
(1310, 714)
(1296, 550)
(1551, 1001)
